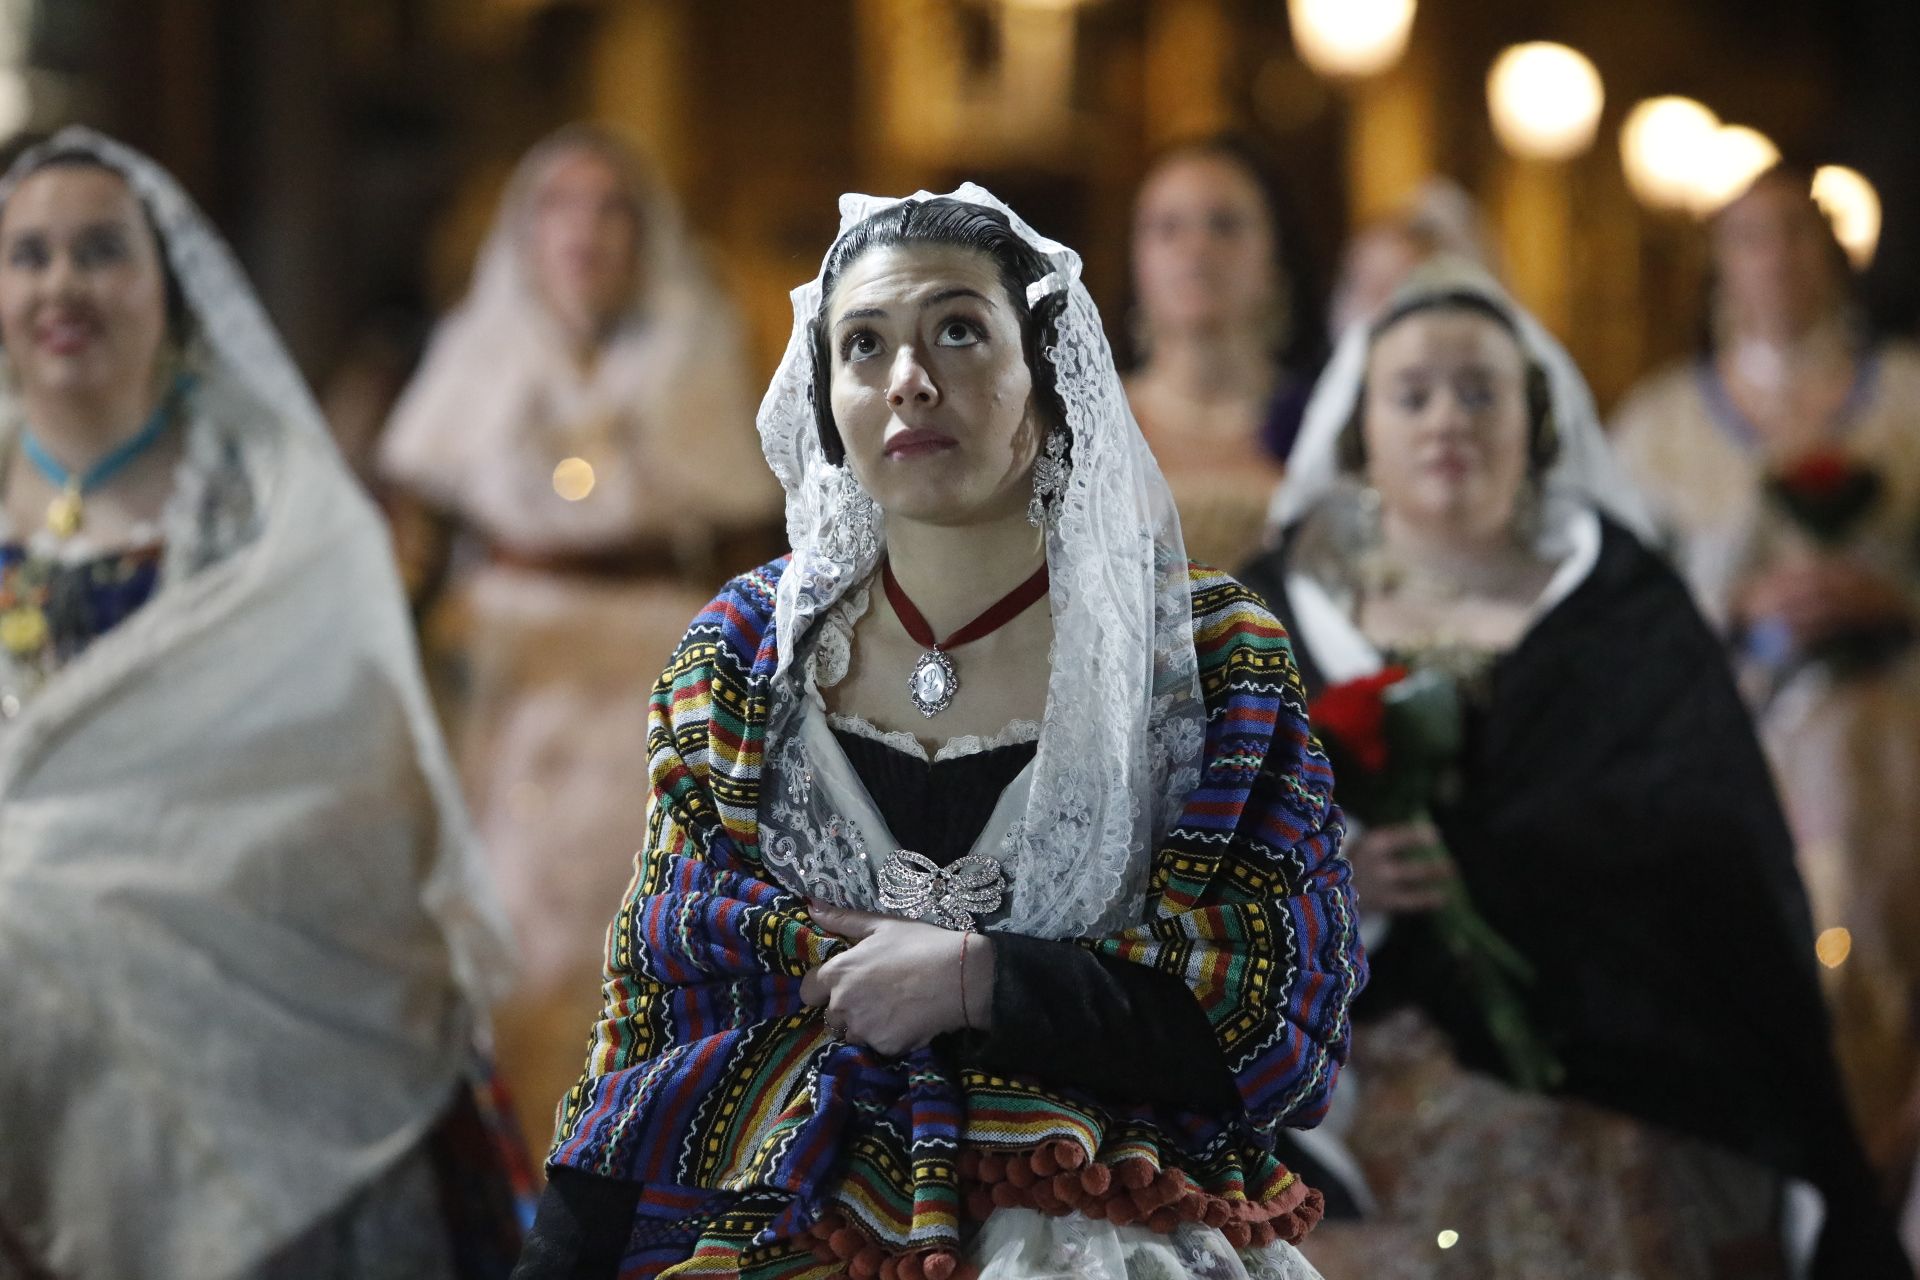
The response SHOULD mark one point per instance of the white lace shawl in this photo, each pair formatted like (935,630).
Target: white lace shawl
(1120,743)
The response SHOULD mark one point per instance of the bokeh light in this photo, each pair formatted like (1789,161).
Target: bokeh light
(1853,206)
(1833,946)
(1664,144)
(573,479)
(1545,100)
(1736,156)
(1350,37)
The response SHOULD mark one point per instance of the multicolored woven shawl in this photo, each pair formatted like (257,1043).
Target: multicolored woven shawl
(767,1149)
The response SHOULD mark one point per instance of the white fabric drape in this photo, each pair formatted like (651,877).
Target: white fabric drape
(243,936)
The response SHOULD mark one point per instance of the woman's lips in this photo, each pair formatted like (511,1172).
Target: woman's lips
(1454,466)
(917,442)
(67,336)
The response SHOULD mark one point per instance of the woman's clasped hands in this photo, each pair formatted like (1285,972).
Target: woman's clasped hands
(901,982)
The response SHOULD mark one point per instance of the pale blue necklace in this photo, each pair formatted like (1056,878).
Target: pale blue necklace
(66,513)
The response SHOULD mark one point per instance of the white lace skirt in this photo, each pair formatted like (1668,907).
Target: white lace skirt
(1024,1244)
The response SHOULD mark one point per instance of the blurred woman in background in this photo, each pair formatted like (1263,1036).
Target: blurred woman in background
(1616,1062)
(245,939)
(1785,466)
(583,415)
(1224,345)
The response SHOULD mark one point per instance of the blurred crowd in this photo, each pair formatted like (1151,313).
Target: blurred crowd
(1711,903)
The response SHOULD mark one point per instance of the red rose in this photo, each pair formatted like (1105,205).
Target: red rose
(1354,715)
(1818,474)
(1826,493)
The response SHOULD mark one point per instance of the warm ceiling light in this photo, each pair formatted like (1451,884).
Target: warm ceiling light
(1664,146)
(1853,206)
(1736,156)
(1350,37)
(1545,100)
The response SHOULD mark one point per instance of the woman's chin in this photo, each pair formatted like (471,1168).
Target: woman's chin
(81,378)
(949,510)
(1460,516)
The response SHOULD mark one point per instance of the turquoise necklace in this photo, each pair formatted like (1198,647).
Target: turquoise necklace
(66,514)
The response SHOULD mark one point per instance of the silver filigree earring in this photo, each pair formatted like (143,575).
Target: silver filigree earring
(1049,477)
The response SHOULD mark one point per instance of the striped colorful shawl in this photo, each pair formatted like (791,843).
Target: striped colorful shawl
(766,1148)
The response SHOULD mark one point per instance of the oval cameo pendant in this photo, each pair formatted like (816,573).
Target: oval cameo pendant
(933,683)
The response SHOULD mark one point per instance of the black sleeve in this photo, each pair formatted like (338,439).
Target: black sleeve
(581,1229)
(1265,576)
(1111,1027)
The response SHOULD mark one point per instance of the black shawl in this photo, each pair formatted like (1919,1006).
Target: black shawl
(1617,823)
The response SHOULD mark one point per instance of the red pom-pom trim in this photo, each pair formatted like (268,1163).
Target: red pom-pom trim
(1056,1178)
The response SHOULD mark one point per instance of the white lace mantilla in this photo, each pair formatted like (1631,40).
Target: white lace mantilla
(1119,749)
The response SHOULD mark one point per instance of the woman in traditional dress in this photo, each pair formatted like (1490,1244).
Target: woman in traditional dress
(584,417)
(244,936)
(1821,615)
(1222,370)
(1607,813)
(991,913)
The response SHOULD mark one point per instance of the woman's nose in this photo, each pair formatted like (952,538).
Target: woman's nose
(911,383)
(61,274)
(1451,412)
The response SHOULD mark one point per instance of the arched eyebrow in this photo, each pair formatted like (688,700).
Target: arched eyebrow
(115,225)
(945,295)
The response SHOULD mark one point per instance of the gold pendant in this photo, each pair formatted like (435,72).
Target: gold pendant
(23,630)
(63,513)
